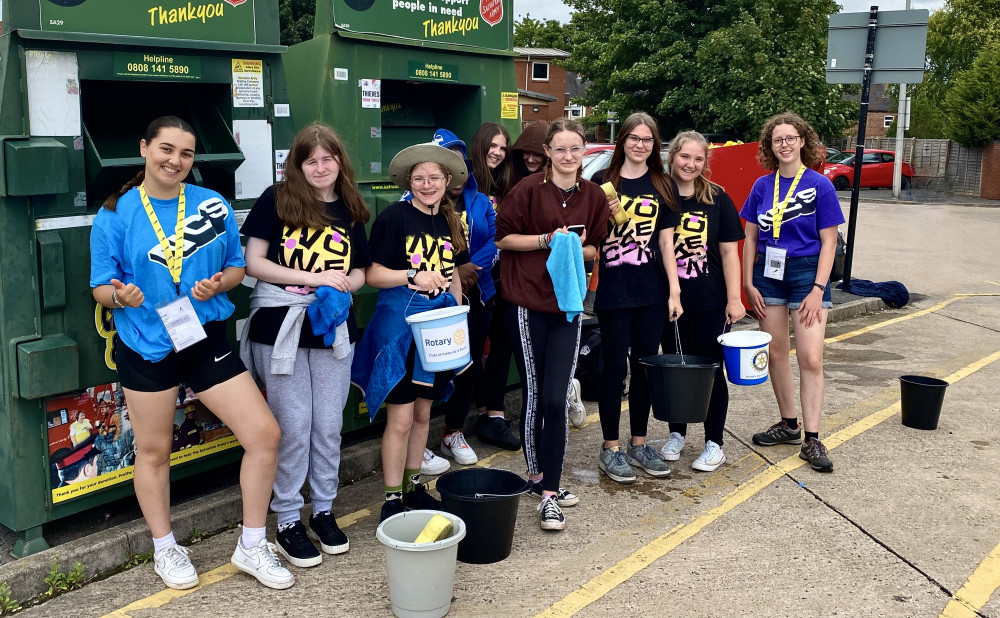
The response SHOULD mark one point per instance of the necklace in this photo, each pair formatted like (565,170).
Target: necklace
(566,194)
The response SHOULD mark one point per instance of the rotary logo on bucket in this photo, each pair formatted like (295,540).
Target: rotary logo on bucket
(746,356)
(444,344)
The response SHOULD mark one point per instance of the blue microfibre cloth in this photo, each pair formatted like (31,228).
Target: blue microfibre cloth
(565,266)
(893,293)
(329,311)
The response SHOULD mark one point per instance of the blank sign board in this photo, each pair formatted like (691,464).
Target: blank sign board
(900,47)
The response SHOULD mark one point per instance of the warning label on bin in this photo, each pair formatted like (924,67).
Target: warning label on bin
(508,105)
(248,83)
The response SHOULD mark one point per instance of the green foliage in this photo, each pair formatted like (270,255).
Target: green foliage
(8,604)
(956,34)
(59,582)
(535,33)
(973,102)
(297,19)
(724,68)
(134,560)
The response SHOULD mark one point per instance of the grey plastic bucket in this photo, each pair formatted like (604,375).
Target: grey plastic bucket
(421,577)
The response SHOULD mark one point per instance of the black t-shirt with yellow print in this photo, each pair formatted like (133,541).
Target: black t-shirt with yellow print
(342,245)
(403,237)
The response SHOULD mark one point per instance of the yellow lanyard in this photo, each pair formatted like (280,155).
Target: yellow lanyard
(174,257)
(779,207)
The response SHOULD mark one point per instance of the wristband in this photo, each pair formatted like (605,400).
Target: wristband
(821,287)
(114,299)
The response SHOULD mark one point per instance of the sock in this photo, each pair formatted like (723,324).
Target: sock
(411,477)
(283,527)
(252,537)
(793,423)
(812,434)
(393,493)
(164,542)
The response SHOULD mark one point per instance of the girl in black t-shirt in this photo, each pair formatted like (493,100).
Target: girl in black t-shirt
(633,296)
(708,265)
(416,246)
(305,239)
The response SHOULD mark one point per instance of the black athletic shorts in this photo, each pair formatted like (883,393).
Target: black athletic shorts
(408,392)
(209,362)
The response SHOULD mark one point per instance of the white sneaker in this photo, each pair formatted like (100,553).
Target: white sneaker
(454,446)
(432,464)
(710,459)
(671,451)
(262,562)
(577,413)
(175,568)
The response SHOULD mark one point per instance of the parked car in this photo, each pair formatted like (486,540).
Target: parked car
(597,157)
(876,170)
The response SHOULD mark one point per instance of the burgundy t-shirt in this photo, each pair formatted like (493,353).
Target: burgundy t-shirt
(533,207)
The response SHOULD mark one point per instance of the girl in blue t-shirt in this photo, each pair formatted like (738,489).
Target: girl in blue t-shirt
(792,217)
(307,247)
(164,254)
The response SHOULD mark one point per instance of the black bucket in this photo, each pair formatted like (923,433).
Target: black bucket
(680,392)
(486,500)
(921,398)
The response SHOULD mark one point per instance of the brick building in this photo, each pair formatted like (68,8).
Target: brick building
(882,110)
(541,83)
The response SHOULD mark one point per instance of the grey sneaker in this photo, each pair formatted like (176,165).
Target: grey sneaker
(814,452)
(615,465)
(647,459)
(778,433)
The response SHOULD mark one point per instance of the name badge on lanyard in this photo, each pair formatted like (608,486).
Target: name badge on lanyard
(774,256)
(178,315)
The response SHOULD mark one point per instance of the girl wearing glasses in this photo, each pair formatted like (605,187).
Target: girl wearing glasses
(526,157)
(416,246)
(634,298)
(306,244)
(706,248)
(545,338)
(792,217)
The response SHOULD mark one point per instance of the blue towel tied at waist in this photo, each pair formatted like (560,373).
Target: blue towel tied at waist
(380,357)
(328,313)
(565,266)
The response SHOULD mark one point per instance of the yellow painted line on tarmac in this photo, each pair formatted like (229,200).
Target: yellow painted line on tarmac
(916,314)
(993,282)
(977,590)
(166,596)
(629,566)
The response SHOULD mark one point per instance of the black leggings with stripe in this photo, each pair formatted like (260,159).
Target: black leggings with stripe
(545,350)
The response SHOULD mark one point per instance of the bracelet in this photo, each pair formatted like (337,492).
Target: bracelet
(114,299)
(541,241)
(820,286)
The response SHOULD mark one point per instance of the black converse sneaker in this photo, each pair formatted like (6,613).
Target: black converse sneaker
(552,517)
(323,527)
(295,546)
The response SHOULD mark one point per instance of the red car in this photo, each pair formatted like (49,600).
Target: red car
(876,170)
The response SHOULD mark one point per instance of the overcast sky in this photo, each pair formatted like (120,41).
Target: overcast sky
(555,9)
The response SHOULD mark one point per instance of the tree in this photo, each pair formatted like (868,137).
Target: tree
(955,36)
(297,18)
(973,102)
(718,67)
(534,33)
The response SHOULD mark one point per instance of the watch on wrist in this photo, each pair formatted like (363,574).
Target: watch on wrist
(411,276)
(821,287)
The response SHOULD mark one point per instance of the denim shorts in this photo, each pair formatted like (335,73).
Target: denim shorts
(800,275)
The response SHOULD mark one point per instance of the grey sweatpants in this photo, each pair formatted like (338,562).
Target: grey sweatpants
(309,408)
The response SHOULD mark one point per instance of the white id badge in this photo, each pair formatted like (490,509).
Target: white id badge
(182,323)
(774,262)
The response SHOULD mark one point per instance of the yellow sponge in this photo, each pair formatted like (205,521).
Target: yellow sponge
(437,529)
(621,217)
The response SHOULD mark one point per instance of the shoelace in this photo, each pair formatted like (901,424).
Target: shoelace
(711,451)
(458,441)
(619,458)
(549,508)
(177,556)
(267,552)
(428,455)
(815,448)
(674,444)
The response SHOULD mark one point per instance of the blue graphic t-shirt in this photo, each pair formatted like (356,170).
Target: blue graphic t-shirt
(696,247)
(124,246)
(813,207)
(631,271)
